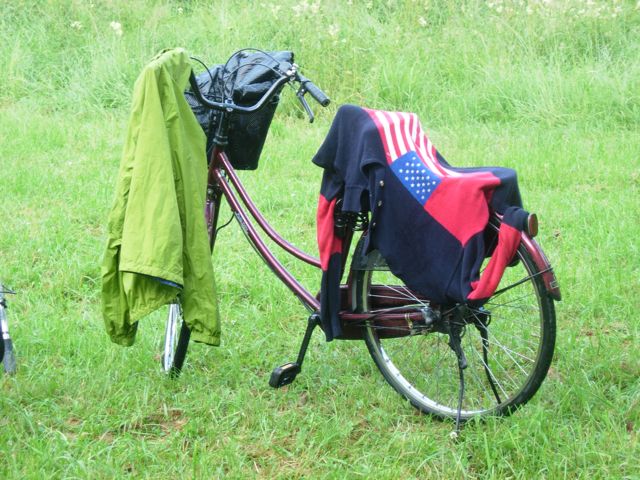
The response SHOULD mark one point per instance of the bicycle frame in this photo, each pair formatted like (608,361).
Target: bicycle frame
(224,182)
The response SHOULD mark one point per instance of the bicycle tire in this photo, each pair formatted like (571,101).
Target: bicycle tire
(176,341)
(424,369)
(2,322)
(9,357)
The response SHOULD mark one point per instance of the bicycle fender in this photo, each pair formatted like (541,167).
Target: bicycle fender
(541,261)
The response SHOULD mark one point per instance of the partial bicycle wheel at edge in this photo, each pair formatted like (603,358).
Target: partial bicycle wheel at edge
(505,368)
(176,341)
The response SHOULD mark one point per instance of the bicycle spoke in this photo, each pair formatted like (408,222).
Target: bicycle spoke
(512,301)
(493,376)
(503,333)
(404,294)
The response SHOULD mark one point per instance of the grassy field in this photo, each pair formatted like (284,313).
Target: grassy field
(548,87)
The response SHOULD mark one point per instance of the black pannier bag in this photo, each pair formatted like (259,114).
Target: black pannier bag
(244,78)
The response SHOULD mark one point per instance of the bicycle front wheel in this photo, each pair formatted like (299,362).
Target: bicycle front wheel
(508,343)
(176,341)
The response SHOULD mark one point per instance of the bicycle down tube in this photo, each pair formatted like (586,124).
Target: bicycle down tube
(225,181)
(255,213)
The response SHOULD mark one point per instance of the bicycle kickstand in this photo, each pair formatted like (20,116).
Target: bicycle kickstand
(285,374)
(455,344)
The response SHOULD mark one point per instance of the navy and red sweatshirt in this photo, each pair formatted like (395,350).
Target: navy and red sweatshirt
(427,217)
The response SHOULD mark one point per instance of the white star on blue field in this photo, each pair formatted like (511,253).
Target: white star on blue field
(415,176)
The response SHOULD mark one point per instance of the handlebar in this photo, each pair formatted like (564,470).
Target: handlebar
(290,74)
(317,94)
(229,105)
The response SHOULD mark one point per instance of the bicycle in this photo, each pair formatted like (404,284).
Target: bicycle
(7,353)
(423,350)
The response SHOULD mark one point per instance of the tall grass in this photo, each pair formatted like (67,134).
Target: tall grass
(547,87)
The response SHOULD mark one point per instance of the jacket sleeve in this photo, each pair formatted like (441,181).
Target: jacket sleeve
(152,237)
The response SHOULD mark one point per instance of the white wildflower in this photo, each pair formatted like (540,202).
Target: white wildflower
(617,10)
(422,21)
(117,28)
(333,30)
(180,10)
(315,7)
(76,25)
(301,8)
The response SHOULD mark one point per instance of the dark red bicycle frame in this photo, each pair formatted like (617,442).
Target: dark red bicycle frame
(223,181)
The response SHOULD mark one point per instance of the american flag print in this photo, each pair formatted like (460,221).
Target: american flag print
(402,133)
(438,188)
(415,176)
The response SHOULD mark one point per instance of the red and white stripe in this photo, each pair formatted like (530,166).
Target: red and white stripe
(401,133)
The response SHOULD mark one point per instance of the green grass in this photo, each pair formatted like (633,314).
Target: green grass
(549,88)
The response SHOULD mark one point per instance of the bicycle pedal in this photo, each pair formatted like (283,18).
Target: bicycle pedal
(284,374)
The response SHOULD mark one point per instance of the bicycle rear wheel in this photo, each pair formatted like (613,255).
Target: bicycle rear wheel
(508,343)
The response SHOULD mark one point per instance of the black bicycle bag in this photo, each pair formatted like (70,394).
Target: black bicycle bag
(245,78)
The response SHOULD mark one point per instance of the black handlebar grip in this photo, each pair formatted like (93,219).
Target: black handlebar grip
(316,93)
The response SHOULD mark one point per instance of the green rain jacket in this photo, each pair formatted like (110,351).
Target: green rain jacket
(157,242)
